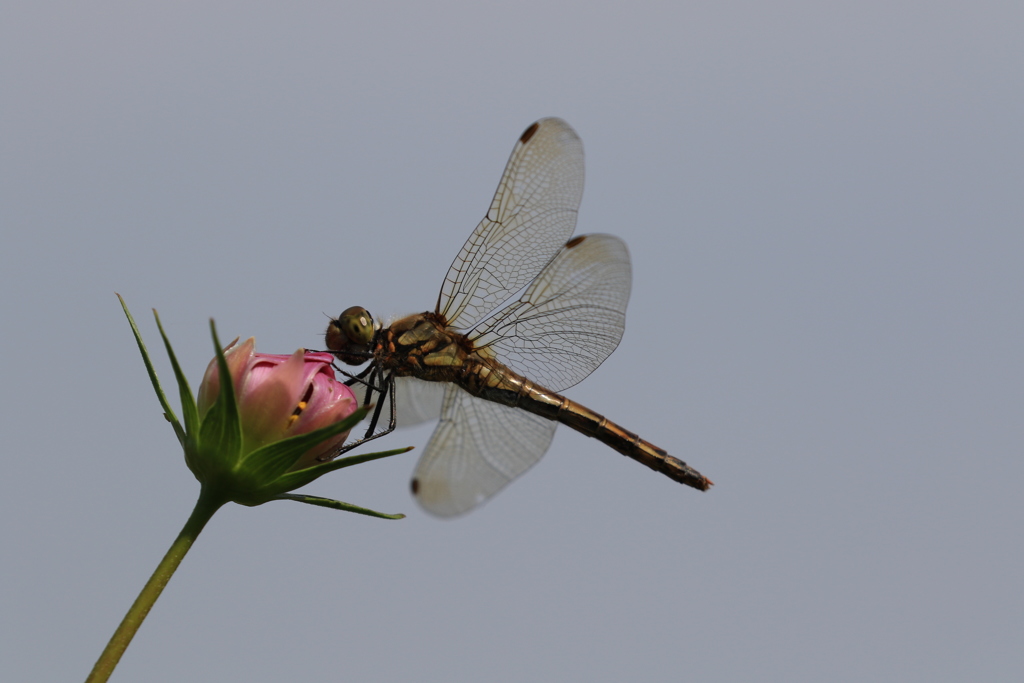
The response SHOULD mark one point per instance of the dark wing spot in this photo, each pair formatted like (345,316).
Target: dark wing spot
(574,241)
(528,133)
(415,486)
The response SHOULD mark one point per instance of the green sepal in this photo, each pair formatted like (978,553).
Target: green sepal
(189,412)
(289,481)
(273,460)
(168,411)
(335,505)
(220,434)
(293,480)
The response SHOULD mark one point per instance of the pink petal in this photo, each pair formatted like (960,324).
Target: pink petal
(269,396)
(237,357)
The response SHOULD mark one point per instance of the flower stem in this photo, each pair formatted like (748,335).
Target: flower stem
(209,502)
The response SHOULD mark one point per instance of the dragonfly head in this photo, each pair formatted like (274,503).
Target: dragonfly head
(350,336)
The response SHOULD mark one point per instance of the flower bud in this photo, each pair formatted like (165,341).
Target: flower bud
(280,396)
(277,425)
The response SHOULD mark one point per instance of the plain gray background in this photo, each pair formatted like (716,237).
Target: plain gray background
(824,206)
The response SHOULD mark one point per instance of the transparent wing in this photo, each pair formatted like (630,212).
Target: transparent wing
(476,450)
(416,401)
(532,214)
(569,319)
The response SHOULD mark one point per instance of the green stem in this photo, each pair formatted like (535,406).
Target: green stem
(207,504)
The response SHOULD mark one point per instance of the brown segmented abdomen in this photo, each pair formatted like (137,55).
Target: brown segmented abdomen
(495,382)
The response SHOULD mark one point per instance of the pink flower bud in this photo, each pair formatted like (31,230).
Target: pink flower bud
(281,396)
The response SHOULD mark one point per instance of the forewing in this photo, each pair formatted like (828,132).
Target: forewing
(532,214)
(476,450)
(569,319)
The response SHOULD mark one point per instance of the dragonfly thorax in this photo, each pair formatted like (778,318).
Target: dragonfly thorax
(423,346)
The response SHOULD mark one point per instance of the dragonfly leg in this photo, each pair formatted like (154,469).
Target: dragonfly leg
(386,389)
(384,392)
(354,379)
(368,379)
(394,414)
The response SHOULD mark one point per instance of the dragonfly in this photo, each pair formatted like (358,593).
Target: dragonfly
(525,311)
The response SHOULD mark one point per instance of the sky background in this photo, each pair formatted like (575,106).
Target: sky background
(824,207)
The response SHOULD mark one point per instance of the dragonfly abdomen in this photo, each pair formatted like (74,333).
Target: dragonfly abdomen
(586,421)
(498,383)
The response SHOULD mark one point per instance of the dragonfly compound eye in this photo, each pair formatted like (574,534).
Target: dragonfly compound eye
(356,324)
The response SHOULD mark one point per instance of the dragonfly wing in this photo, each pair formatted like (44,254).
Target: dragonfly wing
(570,318)
(476,450)
(417,401)
(532,214)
